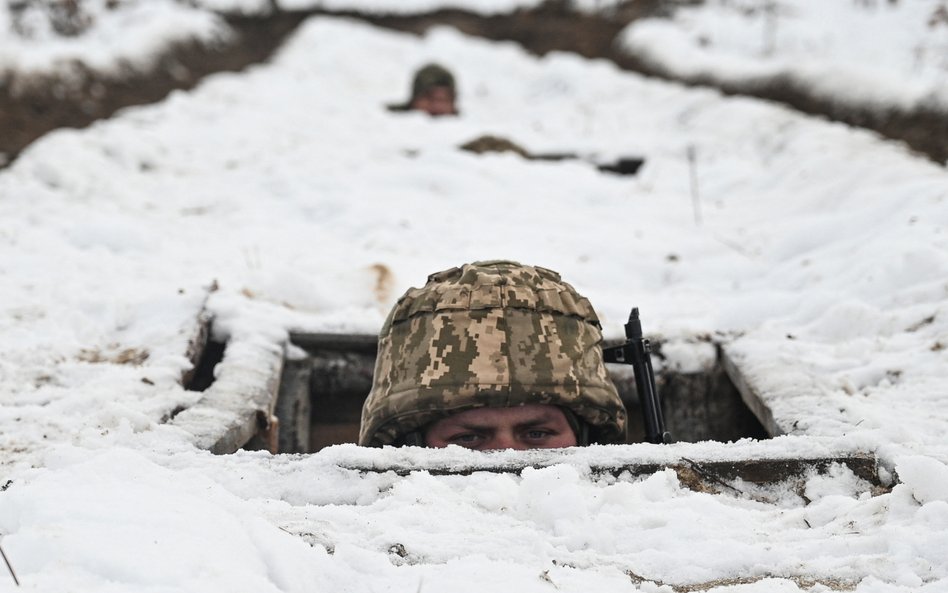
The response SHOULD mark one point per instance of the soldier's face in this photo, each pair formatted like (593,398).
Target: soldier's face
(534,426)
(436,101)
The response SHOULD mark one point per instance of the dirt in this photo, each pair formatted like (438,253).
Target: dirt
(384,283)
(31,108)
(554,27)
(129,356)
(48,104)
(924,128)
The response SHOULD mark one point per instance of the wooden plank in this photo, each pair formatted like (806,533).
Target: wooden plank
(701,475)
(750,396)
(240,404)
(324,435)
(356,343)
(293,406)
(339,385)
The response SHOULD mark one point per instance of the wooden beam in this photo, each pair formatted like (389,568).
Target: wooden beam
(293,406)
(704,475)
(240,404)
(751,397)
(359,343)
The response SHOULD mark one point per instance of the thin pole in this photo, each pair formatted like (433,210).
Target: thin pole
(770,28)
(9,567)
(692,153)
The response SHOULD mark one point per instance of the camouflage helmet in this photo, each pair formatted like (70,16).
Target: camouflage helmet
(489,334)
(429,77)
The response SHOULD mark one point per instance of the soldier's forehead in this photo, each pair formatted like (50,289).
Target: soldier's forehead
(519,414)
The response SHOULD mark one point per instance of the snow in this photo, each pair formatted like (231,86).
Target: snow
(115,40)
(482,7)
(925,477)
(485,7)
(891,55)
(820,265)
(130,35)
(368,530)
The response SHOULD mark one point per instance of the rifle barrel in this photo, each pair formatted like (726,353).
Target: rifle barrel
(641,360)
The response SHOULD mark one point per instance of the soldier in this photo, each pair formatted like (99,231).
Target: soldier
(492,355)
(433,91)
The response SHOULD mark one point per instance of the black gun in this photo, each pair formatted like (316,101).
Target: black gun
(637,352)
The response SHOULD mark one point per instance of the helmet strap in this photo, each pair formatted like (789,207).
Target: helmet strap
(582,439)
(580,427)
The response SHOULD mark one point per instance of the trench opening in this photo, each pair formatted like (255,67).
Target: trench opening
(321,396)
(202,375)
(697,406)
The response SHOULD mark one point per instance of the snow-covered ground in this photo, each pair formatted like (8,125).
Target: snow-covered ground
(821,260)
(866,53)
(111,41)
(113,37)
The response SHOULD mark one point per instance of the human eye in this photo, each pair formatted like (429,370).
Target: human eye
(471,440)
(537,434)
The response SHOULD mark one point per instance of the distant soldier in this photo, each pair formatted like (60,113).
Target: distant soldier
(492,355)
(433,91)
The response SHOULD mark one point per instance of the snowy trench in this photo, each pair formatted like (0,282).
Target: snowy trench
(820,265)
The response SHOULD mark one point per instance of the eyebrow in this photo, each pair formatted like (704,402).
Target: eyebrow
(530,423)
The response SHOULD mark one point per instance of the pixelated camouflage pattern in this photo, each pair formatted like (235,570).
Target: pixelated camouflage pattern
(493,334)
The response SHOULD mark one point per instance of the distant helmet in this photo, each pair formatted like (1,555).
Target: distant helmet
(429,77)
(489,334)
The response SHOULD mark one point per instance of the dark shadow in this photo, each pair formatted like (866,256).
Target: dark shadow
(203,376)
